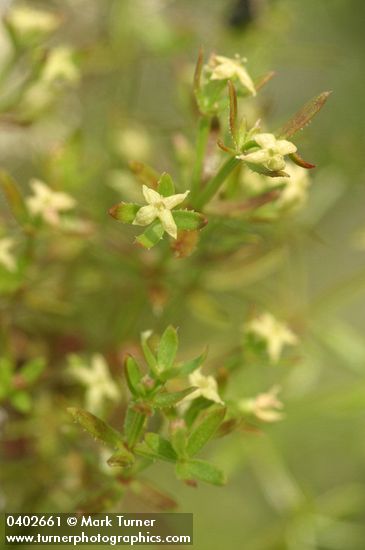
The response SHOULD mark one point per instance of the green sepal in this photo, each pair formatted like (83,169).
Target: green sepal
(151,236)
(97,428)
(201,470)
(166,186)
(204,429)
(124,212)
(189,220)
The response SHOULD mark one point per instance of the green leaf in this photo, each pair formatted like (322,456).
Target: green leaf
(167,348)
(147,352)
(161,447)
(166,400)
(200,469)
(151,236)
(21,401)
(188,220)
(122,458)
(304,116)
(14,197)
(134,423)
(133,376)
(124,212)
(97,428)
(6,375)
(166,186)
(191,366)
(178,436)
(204,429)
(32,370)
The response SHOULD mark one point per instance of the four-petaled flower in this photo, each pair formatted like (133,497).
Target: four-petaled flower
(98,382)
(224,68)
(159,207)
(6,257)
(274,333)
(206,386)
(265,406)
(271,152)
(47,203)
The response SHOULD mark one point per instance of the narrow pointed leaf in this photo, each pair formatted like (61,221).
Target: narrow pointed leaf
(166,400)
(295,157)
(147,352)
(134,423)
(201,470)
(191,366)
(97,428)
(124,212)
(204,429)
(232,110)
(133,376)
(167,348)
(303,116)
(161,447)
(14,197)
(188,220)
(166,186)
(151,236)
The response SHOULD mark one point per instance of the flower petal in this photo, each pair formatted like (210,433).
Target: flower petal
(145,215)
(257,157)
(174,200)
(151,195)
(168,222)
(285,147)
(266,141)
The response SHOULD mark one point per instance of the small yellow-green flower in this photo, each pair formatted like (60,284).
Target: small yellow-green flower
(206,386)
(224,68)
(6,257)
(98,383)
(273,333)
(60,65)
(159,207)
(270,152)
(25,20)
(48,204)
(265,406)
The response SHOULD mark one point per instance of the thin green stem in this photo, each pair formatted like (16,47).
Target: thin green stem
(201,145)
(214,184)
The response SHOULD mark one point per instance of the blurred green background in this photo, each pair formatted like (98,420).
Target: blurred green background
(300,484)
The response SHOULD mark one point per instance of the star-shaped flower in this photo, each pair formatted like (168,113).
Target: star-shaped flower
(60,65)
(47,203)
(274,333)
(6,257)
(99,384)
(271,152)
(265,406)
(206,386)
(224,68)
(159,207)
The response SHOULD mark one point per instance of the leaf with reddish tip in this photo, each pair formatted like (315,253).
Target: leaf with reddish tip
(303,116)
(124,212)
(189,220)
(144,173)
(261,82)
(295,157)
(198,71)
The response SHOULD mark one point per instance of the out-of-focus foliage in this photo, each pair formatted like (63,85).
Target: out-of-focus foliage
(93,93)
